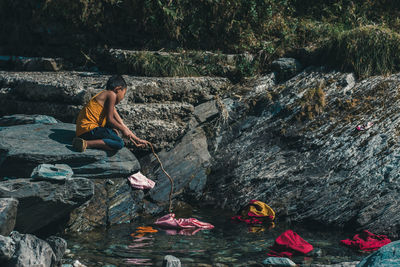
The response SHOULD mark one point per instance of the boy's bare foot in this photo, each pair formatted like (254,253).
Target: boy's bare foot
(79,144)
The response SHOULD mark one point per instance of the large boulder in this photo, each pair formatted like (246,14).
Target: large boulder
(387,256)
(303,156)
(59,246)
(286,68)
(7,248)
(114,202)
(27,250)
(187,163)
(43,202)
(23,147)
(8,215)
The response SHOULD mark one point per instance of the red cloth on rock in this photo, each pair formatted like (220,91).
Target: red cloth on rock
(366,241)
(288,244)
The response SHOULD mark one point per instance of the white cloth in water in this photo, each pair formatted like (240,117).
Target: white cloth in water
(139,181)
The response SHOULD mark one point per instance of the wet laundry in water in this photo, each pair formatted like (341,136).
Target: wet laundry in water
(186,231)
(366,241)
(139,181)
(142,230)
(288,244)
(170,222)
(255,212)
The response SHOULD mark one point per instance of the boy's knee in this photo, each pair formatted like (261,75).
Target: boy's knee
(118,144)
(121,144)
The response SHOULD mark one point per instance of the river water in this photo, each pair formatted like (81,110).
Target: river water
(228,244)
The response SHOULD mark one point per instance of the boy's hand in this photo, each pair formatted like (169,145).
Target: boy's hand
(143,143)
(135,140)
(127,133)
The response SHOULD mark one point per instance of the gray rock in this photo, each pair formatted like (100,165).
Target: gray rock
(158,109)
(43,202)
(274,261)
(386,256)
(92,214)
(112,203)
(23,147)
(7,248)
(31,63)
(19,119)
(171,261)
(38,64)
(50,172)
(122,205)
(8,215)
(206,111)
(307,161)
(59,247)
(76,88)
(342,264)
(286,68)
(186,163)
(159,123)
(30,251)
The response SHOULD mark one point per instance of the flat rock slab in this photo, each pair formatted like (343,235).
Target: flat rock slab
(50,172)
(43,202)
(18,119)
(8,215)
(23,147)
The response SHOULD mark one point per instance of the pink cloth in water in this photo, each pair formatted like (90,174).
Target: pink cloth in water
(169,221)
(139,181)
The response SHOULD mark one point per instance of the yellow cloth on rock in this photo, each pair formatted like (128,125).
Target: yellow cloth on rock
(260,209)
(91,116)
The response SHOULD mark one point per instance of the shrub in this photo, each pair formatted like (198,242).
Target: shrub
(366,50)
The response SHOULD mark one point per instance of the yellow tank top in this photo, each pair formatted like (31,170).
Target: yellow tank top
(91,116)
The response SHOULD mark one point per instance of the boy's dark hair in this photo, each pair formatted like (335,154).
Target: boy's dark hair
(115,81)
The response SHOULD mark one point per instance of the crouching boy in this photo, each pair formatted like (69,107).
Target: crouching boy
(98,122)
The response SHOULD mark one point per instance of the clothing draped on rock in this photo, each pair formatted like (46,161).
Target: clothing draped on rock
(91,116)
(139,181)
(366,241)
(255,212)
(288,244)
(169,222)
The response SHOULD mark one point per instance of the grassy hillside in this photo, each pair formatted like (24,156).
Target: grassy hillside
(268,28)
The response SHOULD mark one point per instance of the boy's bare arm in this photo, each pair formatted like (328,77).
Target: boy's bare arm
(118,118)
(130,133)
(109,108)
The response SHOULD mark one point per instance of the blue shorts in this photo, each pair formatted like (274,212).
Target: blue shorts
(107,135)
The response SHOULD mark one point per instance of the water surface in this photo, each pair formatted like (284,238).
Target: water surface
(229,244)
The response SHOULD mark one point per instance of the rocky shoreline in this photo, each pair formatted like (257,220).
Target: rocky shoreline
(287,138)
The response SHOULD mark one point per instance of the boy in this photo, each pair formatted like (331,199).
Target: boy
(98,121)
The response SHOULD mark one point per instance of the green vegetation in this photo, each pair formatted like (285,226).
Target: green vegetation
(367,50)
(312,103)
(339,29)
(180,64)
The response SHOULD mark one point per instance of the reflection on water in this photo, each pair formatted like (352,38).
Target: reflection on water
(229,243)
